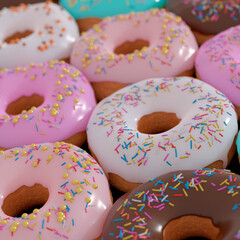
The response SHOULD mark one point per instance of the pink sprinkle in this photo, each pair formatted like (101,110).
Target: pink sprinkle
(147,215)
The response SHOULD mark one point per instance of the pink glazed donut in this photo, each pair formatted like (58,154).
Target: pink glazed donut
(64,181)
(62,102)
(169,49)
(218,63)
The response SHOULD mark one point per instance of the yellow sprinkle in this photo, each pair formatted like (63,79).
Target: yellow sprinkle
(59,97)
(3,222)
(65,175)
(36,210)
(56,151)
(60,76)
(168,38)
(98,58)
(200,186)
(35,164)
(44,148)
(25,224)
(15,119)
(15,151)
(164,26)
(54,112)
(88,199)
(68,196)
(95,186)
(164,50)
(63,207)
(69,93)
(47,214)
(75,181)
(13,229)
(32,216)
(49,158)
(209,144)
(23,153)
(1,152)
(185,192)
(43,110)
(99,70)
(178,20)
(68,166)
(79,190)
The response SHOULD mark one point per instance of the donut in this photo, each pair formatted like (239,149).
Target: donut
(207,18)
(128,48)
(66,182)
(90,12)
(48,32)
(161,125)
(179,205)
(44,102)
(217,63)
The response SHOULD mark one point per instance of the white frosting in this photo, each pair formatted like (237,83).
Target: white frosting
(205,133)
(54,33)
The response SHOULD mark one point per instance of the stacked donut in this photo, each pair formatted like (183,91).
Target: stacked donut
(119,80)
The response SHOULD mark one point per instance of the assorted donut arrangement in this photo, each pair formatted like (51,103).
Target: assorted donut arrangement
(120,119)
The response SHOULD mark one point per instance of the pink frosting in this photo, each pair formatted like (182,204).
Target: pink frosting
(171,51)
(218,63)
(79,196)
(68,103)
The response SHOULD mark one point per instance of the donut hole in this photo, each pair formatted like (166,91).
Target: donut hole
(24,200)
(157,122)
(24,103)
(130,47)
(191,227)
(15,38)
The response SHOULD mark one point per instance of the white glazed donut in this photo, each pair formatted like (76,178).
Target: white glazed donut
(204,135)
(54,32)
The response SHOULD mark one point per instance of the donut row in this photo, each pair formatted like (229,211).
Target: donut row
(147,137)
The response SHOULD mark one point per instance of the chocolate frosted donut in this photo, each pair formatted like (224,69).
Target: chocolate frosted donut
(179,205)
(207,17)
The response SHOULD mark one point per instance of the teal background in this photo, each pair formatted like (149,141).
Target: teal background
(103,8)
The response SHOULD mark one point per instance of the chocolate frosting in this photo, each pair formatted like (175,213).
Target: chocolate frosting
(205,193)
(207,17)
(8,3)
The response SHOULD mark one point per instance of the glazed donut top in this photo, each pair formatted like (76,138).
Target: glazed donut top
(204,135)
(207,16)
(172,48)
(53,33)
(144,212)
(218,63)
(104,8)
(66,108)
(79,197)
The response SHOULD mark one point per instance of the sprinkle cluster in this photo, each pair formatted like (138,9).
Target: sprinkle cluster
(79,171)
(132,218)
(209,11)
(206,128)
